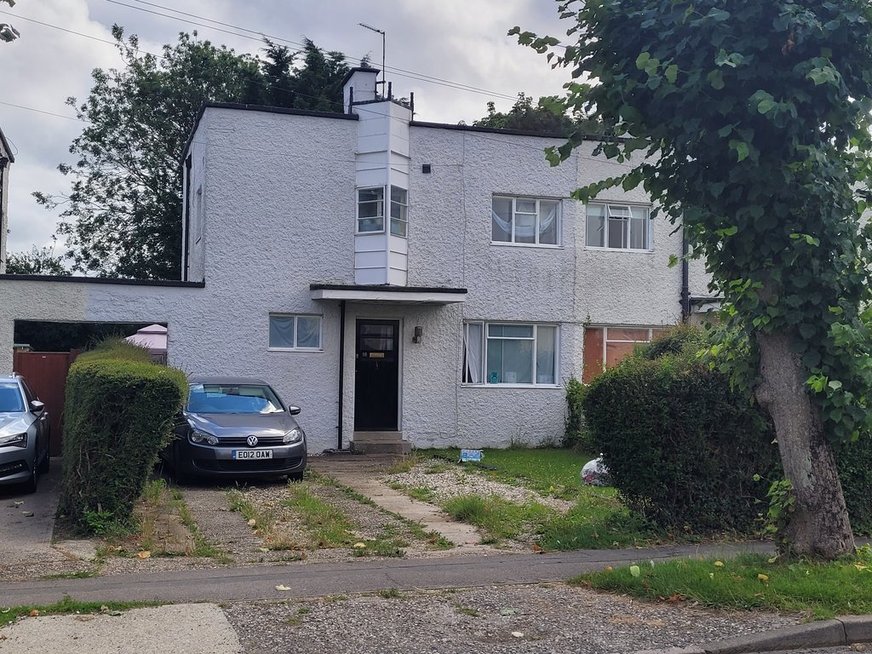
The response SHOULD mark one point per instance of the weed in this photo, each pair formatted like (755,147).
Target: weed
(389,593)
(420,493)
(466,610)
(404,465)
(67,605)
(78,574)
(498,517)
(327,525)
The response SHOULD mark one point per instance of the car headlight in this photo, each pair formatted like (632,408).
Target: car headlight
(198,436)
(14,440)
(296,434)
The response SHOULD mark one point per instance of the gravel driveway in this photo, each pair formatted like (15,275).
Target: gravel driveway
(516,619)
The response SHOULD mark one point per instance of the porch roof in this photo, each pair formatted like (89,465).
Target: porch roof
(388,293)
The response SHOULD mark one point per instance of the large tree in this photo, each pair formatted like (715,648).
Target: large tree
(748,122)
(123,215)
(547,116)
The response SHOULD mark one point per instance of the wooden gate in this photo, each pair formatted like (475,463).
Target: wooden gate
(46,375)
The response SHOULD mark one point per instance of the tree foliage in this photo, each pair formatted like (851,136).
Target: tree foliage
(753,119)
(123,215)
(39,261)
(547,116)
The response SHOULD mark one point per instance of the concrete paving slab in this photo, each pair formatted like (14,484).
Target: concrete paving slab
(180,628)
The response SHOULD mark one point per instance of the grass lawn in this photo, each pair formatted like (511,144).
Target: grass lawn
(597,519)
(750,582)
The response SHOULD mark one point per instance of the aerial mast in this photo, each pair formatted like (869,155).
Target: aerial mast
(382,32)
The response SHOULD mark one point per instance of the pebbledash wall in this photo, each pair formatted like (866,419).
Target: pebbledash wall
(271,206)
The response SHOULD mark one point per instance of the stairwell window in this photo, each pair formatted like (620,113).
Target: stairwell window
(618,227)
(510,354)
(399,211)
(525,221)
(371,210)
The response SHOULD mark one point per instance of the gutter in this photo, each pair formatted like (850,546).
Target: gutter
(341,371)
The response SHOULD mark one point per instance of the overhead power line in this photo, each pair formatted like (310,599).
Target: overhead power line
(258,35)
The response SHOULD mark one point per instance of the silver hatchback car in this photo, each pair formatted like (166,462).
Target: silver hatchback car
(24,434)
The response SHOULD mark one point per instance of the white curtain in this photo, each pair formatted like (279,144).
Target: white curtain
(548,222)
(473,345)
(281,331)
(308,331)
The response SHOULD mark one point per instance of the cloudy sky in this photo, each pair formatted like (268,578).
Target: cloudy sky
(460,42)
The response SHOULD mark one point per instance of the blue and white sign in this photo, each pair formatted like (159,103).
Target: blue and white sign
(471,455)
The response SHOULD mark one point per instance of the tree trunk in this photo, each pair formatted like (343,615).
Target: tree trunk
(819,526)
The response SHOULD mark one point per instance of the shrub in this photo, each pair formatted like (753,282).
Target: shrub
(119,414)
(682,447)
(576,433)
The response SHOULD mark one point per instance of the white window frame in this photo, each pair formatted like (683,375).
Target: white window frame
(357,210)
(296,317)
(649,232)
(404,212)
(536,244)
(484,383)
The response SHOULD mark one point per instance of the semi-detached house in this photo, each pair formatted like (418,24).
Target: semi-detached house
(399,280)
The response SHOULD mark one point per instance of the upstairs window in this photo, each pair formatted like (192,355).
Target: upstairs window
(370,210)
(525,221)
(618,227)
(399,211)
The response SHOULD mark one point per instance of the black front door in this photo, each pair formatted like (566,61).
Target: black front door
(376,378)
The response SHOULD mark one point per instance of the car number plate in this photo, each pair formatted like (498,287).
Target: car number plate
(241,455)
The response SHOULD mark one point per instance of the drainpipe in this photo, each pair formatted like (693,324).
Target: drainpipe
(685,279)
(341,370)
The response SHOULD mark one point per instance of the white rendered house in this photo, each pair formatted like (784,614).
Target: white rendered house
(401,281)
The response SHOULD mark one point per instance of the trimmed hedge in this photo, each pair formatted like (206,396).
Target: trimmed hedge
(119,415)
(683,449)
(855,472)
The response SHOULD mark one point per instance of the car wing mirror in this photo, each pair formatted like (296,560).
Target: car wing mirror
(36,406)
(294,410)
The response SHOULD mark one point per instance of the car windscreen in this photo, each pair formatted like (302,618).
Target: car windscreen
(232,398)
(10,398)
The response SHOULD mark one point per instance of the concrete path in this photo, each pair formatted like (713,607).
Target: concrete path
(360,473)
(181,629)
(316,580)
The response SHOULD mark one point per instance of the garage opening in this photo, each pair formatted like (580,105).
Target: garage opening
(44,351)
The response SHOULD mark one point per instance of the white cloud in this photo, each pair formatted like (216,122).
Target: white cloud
(459,40)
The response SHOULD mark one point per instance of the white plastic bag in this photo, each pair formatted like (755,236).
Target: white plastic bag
(595,473)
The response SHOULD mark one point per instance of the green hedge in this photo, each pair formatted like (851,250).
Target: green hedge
(681,446)
(855,471)
(119,414)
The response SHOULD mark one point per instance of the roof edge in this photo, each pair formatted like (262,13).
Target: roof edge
(510,132)
(72,279)
(258,107)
